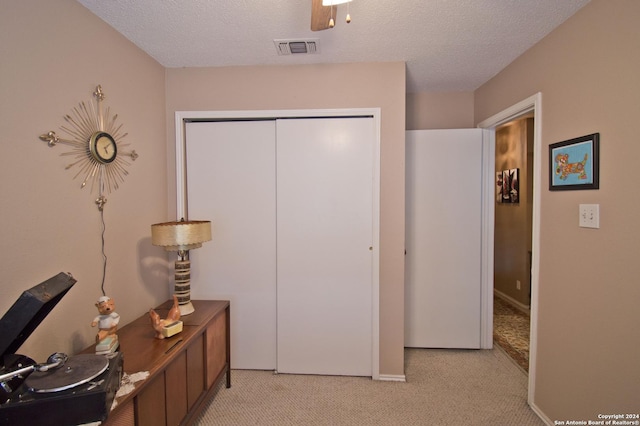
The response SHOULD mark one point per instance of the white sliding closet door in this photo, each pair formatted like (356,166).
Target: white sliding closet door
(231,181)
(292,206)
(324,239)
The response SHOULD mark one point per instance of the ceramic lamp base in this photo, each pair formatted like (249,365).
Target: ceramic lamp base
(182,287)
(186,309)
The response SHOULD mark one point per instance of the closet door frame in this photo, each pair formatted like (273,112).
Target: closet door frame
(183,117)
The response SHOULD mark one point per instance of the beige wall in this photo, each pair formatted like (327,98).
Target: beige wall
(588,327)
(317,87)
(450,110)
(52,56)
(512,232)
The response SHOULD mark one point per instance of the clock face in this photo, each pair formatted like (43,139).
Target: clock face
(103,147)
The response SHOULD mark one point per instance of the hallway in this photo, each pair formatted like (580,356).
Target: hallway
(511,331)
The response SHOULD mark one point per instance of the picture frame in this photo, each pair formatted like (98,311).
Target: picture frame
(508,186)
(574,164)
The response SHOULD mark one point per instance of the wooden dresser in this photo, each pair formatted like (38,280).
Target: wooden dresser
(184,370)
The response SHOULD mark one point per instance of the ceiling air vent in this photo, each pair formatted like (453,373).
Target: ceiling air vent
(296,47)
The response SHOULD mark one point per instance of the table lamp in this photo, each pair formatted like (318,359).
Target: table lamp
(181,237)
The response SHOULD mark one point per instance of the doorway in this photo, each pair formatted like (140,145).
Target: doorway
(533,105)
(512,241)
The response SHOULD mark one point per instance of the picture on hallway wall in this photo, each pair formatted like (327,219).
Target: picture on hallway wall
(508,186)
(574,164)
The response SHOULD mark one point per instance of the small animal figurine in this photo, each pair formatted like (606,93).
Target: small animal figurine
(159,324)
(108,319)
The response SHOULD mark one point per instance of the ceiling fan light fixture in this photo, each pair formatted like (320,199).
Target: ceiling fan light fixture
(323,13)
(334,2)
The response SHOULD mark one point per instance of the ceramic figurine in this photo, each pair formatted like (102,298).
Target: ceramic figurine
(107,321)
(169,326)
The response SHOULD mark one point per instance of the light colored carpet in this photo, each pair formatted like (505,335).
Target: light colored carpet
(443,387)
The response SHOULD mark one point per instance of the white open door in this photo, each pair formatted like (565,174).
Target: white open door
(443,272)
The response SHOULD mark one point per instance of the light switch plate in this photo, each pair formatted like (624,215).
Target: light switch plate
(589,216)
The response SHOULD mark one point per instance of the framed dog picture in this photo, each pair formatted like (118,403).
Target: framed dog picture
(575,164)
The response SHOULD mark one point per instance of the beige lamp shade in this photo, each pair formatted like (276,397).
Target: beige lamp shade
(181,236)
(334,2)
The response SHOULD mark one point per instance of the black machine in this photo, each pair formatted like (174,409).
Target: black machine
(66,390)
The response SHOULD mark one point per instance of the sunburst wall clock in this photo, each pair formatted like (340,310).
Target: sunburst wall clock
(97,147)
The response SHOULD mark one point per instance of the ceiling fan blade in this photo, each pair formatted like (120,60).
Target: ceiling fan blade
(320,16)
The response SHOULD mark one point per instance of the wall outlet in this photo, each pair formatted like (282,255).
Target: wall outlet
(518,284)
(589,216)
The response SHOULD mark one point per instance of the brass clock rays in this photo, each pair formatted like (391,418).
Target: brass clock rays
(96,145)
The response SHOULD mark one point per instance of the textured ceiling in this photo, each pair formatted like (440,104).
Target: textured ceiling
(448,45)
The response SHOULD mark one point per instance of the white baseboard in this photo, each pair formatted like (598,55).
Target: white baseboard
(392,378)
(540,414)
(524,308)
